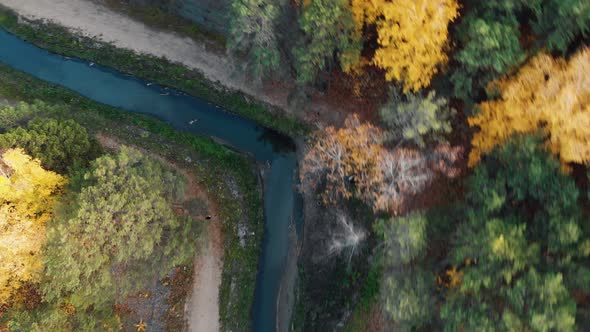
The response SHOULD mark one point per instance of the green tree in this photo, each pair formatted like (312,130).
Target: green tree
(408,288)
(413,117)
(404,238)
(409,297)
(252,31)
(119,221)
(559,22)
(522,227)
(489,47)
(59,144)
(328,28)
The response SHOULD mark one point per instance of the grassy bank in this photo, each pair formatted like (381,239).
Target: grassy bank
(155,17)
(213,163)
(59,40)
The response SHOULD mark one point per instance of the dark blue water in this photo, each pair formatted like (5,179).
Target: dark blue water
(131,94)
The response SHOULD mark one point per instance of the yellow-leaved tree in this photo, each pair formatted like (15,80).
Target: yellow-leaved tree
(412,36)
(27,194)
(547,93)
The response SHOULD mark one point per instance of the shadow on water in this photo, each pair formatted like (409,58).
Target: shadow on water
(280,143)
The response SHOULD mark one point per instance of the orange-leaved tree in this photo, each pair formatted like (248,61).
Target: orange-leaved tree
(345,160)
(412,36)
(27,194)
(352,161)
(547,93)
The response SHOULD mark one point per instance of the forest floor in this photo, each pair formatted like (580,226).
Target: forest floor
(99,22)
(202,307)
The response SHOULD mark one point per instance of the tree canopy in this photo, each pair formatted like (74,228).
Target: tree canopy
(252,31)
(412,37)
(121,218)
(549,94)
(59,144)
(27,195)
(327,27)
(523,228)
(414,118)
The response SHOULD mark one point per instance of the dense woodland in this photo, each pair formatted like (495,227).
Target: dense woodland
(456,200)
(489,98)
(81,227)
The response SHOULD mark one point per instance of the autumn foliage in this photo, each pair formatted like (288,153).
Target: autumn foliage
(547,93)
(352,161)
(27,194)
(412,36)
(341,156)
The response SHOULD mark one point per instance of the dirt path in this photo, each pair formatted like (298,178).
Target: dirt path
(202,308)
(100,22)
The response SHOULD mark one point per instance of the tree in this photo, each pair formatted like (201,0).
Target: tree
(404,238)
(121,218)
(490,48)
(408,288)
(404,173)
(416,117)
(344,160)
(352,162)
(327,26)
(412,36)
(548,94)
(27,195)
(252,30)
(523,228)
(59,144)
(561,22)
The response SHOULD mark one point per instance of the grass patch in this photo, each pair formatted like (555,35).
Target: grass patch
(61,41)
(213,163)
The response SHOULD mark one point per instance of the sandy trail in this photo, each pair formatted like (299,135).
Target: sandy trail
(205,296)
(96,21)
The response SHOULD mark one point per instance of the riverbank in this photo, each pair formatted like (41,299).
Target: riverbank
(85,30)
(226,176)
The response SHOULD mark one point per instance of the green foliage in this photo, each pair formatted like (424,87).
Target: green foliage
(327,26)
(408,297)
(407,288)
(559,22)
(58,144)
(252,30)
(120,219)
(491,37)
(40,320)
(414,117)
(490,48)
(404,238)
(524,232)
(13,117)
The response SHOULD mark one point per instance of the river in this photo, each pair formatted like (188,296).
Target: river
(107,86)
